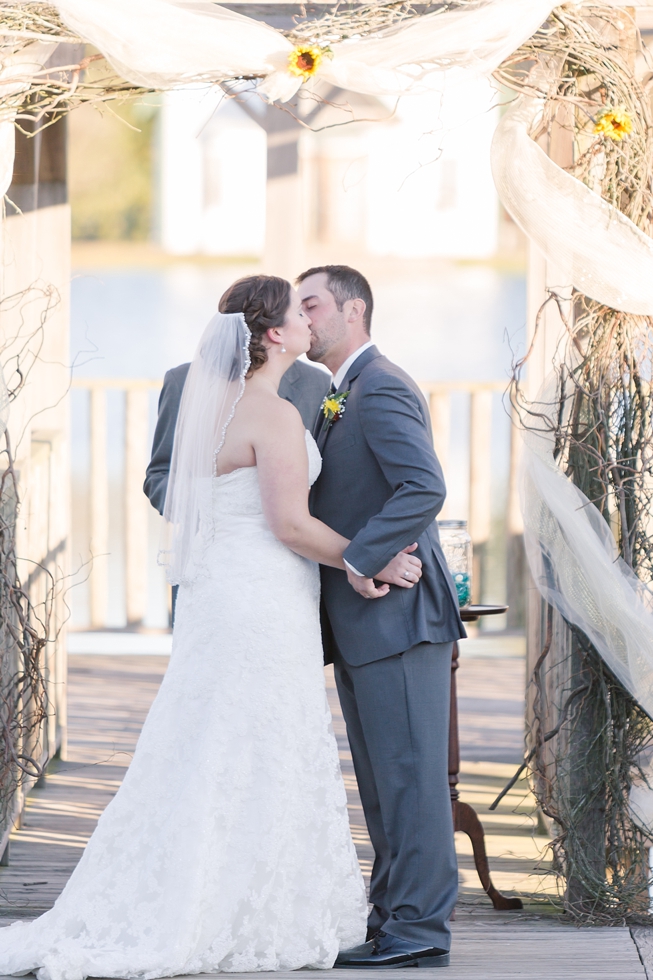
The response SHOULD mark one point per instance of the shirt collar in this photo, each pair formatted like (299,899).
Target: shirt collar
(341,373)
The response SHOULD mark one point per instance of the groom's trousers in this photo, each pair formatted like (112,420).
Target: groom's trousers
(397,716)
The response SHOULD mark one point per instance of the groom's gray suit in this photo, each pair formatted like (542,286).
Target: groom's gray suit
(382,486)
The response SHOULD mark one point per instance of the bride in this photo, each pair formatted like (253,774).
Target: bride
(227,847)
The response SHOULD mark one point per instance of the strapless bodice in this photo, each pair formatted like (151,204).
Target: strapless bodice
(239,493)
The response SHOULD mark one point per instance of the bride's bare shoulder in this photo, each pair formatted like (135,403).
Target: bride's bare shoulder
(269,411)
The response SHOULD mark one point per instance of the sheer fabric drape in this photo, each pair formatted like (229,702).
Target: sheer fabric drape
(575,563)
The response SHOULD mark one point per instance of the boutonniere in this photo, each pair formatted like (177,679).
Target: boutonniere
(333,408)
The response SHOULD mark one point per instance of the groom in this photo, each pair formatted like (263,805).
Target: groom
(381,486)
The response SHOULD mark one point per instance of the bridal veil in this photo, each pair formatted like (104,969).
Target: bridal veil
(214,386)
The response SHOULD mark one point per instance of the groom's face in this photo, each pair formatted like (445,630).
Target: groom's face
(328,323)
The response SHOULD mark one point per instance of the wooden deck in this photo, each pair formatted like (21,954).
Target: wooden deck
(108,699)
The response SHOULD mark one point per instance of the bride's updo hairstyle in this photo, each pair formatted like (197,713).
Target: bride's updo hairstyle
(264,302)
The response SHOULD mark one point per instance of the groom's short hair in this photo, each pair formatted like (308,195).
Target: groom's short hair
(345,283)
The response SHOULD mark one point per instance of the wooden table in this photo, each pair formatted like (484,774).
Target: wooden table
(464,816)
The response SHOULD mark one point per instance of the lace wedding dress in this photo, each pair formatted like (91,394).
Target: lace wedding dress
(227,847)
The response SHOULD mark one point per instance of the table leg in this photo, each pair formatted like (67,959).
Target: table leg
(464,816)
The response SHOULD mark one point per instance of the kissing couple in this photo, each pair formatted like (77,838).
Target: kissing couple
(227,847)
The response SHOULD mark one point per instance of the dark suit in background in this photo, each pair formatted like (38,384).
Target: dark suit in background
(381,485)
(302,385)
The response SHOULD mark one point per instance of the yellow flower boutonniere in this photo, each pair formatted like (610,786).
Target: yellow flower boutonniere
(333,407)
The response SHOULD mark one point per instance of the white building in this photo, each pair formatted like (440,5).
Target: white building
(414,182)
(212,175)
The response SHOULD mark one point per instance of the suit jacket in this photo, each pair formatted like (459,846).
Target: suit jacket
(381,485)
(302,385)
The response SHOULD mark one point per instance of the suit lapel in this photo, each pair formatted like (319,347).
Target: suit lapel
(358,365)
(353,372)
(319,430)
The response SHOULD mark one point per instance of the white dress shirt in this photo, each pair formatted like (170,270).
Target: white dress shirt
(341,373)
(338,378)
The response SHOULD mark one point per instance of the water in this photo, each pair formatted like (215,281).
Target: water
(458,324)
(461,322)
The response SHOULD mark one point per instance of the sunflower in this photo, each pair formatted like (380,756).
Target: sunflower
(615,123)
(304,61)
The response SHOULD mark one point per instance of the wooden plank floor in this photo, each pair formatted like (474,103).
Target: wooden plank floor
(108,699)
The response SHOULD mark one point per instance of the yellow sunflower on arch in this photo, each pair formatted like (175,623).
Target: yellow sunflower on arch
(304,60)
(614,123)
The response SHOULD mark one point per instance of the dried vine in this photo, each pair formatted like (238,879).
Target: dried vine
(588,737)
(24,633)
(365,20)
(42,97)
(26,622)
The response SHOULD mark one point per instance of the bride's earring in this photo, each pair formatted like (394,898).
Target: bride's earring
(283,350)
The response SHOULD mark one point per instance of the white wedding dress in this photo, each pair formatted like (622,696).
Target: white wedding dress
(227,847)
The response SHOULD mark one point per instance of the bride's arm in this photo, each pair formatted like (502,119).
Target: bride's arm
(282,460)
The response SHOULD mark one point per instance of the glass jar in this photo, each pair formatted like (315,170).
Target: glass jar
(457,548)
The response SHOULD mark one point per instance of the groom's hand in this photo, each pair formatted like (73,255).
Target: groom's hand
(365,586)
(405,570)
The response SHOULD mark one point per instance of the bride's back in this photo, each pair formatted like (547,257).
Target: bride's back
(247,428)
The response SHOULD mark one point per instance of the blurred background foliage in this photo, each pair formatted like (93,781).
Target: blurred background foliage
(111,171)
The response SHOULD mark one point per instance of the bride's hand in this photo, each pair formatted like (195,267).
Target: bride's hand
(405,570)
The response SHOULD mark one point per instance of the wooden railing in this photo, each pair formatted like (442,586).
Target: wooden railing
(137,450)
(480,443)
(135,504)
(481,408)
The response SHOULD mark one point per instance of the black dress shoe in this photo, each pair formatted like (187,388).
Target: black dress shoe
(386,952)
